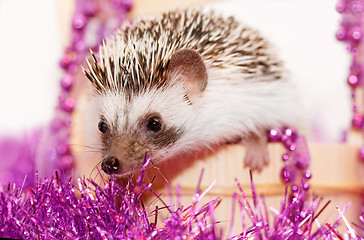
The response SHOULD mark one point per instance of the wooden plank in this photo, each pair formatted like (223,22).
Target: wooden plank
(142,7)
(65,12)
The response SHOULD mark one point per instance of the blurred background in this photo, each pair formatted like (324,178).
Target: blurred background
(33,34)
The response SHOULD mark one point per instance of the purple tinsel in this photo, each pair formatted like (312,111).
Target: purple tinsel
(296,219)
(56,209)
(52,210)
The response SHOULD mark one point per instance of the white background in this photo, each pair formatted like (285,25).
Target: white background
(303,32)
(30,47)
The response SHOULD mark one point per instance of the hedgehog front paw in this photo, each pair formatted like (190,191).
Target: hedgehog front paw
(256,155)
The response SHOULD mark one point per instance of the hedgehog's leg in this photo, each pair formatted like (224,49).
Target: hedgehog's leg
(256,154)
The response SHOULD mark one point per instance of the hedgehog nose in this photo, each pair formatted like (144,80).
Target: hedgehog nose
(110,165)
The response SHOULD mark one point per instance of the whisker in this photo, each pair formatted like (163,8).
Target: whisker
(85,146)
(90,151)
(92,148)
(159,170)
(93,169)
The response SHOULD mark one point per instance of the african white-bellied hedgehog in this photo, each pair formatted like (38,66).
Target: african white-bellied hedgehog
(186,80)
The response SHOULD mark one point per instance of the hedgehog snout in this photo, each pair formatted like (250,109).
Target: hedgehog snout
(110,165)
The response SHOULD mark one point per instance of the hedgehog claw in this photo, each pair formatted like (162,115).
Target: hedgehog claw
(256,152)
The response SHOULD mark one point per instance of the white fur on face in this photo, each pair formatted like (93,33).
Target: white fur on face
(229,107)
(124,115)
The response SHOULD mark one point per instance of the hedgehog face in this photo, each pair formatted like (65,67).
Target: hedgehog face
(147,123)
(140,116)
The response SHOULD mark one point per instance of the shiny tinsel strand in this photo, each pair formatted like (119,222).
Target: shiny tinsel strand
(53,210)
(297,218)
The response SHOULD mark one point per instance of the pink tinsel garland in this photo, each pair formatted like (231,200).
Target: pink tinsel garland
(51,210)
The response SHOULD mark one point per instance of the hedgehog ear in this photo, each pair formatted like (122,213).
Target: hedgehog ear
(187,66)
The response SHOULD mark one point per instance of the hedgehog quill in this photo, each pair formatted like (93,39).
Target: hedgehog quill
(186,80)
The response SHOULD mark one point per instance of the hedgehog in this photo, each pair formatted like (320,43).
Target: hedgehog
(187,80)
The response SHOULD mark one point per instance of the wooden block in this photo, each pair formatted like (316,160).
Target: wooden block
(337,176)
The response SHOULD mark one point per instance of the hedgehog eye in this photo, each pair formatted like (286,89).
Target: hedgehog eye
(103,126)
(154,124)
